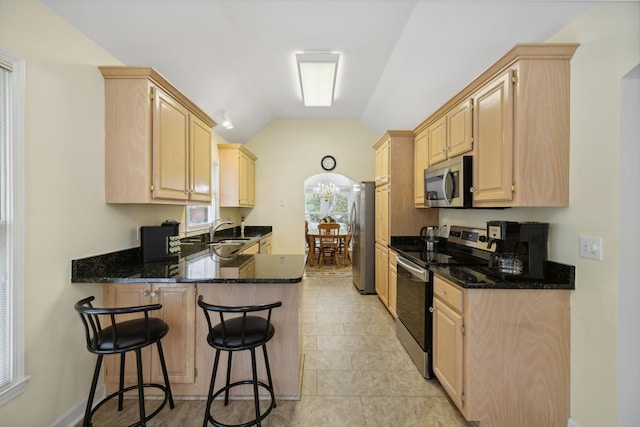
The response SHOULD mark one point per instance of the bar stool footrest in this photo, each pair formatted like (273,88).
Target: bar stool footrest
(248,423)
(135,387)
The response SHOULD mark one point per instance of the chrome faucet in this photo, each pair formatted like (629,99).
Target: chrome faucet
(215,224)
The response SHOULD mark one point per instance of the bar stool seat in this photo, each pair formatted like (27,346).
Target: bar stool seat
(243,332)
(122,337)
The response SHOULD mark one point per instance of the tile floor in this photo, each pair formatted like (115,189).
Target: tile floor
(356,373)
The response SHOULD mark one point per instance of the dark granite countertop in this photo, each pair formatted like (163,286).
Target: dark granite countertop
(199,263)
(557,275)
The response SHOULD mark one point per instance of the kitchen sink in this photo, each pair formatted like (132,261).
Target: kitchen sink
(236,241)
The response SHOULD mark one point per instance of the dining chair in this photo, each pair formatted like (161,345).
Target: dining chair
(329,241)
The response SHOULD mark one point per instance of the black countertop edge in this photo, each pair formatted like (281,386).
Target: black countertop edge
(558,277)
(195,265)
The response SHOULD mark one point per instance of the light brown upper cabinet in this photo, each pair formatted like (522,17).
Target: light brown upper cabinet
(157,142)
(450,135)
(420,163)
(382,163)
(514,120)
(237,176)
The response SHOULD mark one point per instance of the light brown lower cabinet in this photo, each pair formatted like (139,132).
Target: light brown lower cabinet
(393,282)
(503,355)
(178,310)
(382,273)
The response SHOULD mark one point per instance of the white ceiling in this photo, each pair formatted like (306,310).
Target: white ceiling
(400,59)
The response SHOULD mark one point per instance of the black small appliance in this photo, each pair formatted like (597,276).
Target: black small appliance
(160,242)
(521,248)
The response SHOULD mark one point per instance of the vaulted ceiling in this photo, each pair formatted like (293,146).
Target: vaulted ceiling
(400,59)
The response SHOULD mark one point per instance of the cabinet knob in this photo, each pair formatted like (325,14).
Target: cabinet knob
(154,294)
(472,190)
(145,293)
(443,292)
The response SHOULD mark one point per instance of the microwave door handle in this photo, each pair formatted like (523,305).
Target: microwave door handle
(445,176)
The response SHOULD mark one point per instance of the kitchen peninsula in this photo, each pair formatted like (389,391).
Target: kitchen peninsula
(224,276)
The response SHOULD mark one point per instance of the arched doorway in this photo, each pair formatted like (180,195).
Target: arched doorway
(328,194)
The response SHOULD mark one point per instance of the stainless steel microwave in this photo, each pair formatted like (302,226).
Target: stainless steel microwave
(448,184)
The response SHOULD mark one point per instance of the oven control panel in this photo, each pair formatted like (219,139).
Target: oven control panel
(469,236)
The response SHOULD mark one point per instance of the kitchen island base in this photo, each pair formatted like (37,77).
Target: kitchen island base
(187,322)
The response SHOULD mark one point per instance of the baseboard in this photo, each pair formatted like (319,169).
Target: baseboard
(74,415)
(573,423)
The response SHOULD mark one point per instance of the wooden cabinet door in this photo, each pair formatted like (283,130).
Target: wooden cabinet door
(125,295)
(382,215)
(437,137)
(382,273)
(393,282)
(170,147)
(459,137)
(382,164)
(200,160)
(420,163)
(243,179)
(251,183)
(493,134)
(448,350)
(178,310)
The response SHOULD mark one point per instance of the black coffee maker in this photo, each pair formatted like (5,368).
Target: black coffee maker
(521,248)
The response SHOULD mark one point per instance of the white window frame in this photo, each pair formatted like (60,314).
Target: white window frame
(192,228)
(15,221)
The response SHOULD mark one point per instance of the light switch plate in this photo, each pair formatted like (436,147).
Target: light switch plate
(591,247)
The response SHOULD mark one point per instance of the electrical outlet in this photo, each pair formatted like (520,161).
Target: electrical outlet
(591,247)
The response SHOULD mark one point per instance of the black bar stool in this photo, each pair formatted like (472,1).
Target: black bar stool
(121,337)
(236,332)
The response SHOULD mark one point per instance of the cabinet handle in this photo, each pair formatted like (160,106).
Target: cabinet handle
(472,190)
(154,294)
(145,293)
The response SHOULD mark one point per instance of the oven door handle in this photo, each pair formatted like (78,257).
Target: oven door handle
(413,269)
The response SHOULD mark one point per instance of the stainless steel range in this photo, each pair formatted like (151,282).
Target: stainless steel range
(465,246)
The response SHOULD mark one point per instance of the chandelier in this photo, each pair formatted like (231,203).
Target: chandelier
(326,190)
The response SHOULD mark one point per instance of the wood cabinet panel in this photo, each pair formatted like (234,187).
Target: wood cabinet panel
(200,157)
(178,310)
(421,162)
(517,116)
(382,273)
(237,176)
(437,137)
(448,350)
(504,360)
(493,128)
(155,141)
(170,147)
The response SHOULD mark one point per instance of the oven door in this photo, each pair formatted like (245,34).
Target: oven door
(413,306)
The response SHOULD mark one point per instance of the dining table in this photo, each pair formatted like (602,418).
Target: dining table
(314,235)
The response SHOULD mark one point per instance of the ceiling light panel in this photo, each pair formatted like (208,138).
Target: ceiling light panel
(317,73)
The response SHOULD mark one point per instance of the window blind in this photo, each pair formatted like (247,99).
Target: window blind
(6,306)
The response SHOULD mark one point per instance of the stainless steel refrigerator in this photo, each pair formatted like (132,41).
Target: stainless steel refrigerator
(363,240)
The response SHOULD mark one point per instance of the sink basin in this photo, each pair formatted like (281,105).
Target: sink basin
(238,240)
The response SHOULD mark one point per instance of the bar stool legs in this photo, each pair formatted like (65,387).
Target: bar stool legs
(239,332)
(120,338)
(208,417)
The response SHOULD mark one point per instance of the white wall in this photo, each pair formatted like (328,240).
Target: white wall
(609,35)
(629,291)
(289,151)
(66,214)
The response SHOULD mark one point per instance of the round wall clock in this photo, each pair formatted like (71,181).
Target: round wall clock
(328,163)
